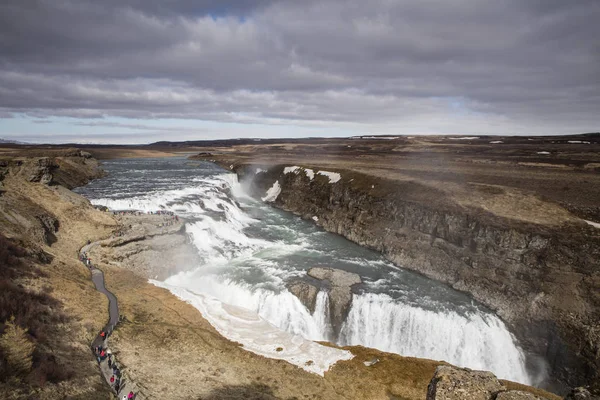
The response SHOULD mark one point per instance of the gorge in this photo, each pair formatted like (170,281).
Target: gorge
(248,253)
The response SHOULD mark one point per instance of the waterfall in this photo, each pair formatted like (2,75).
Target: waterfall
(475,340)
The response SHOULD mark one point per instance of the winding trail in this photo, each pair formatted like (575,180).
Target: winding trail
(125,386)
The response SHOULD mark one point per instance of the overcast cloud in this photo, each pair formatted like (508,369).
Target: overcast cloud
(377,66)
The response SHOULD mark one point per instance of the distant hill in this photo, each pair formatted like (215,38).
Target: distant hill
(5,141)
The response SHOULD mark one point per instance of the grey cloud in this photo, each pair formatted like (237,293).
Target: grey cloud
(535,63)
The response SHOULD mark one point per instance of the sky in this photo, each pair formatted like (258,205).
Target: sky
(139,71)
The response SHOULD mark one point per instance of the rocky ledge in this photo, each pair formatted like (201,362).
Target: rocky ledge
(338,284)
(451,383)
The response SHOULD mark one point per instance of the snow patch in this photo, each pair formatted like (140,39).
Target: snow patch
(496,141)
(333,176)
(578,142)
(273,192)
(258,171)
(543,152)
(258,336)
(315,218)
(293,169)
(464,138)
(594,224)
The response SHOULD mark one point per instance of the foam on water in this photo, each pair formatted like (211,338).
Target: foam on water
(258,335)
(280,307)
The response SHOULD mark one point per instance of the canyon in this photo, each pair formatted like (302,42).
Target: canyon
(532,258)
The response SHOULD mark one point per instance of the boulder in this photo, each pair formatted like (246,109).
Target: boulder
(451,383)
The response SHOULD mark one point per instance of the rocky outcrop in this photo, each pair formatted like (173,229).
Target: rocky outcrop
(305,292)
(153,246)
(340,292)
(41,170)
(543,280)
(338,283)
(451,383)
(581,393)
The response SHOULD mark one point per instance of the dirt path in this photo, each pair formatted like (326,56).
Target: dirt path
(109,366)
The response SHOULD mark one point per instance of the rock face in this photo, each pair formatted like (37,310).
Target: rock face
(41,170)
(451,383)
(542,280)
(340,293)
(306,293)
(339,285)
(20,215)
(581,393)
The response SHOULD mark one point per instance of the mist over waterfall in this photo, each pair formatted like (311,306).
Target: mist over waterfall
(249,252)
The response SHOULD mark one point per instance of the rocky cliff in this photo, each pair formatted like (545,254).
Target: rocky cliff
(542,278)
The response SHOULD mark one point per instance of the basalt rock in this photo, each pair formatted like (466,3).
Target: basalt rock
(451,383)
(581,393)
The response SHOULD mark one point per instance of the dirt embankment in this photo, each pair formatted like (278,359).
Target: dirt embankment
(49,310)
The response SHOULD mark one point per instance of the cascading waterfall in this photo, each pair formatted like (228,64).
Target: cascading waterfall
(322,316)
(475,340)
(249,251)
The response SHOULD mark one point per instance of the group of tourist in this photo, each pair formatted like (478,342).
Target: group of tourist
(83,257)
(102,353)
